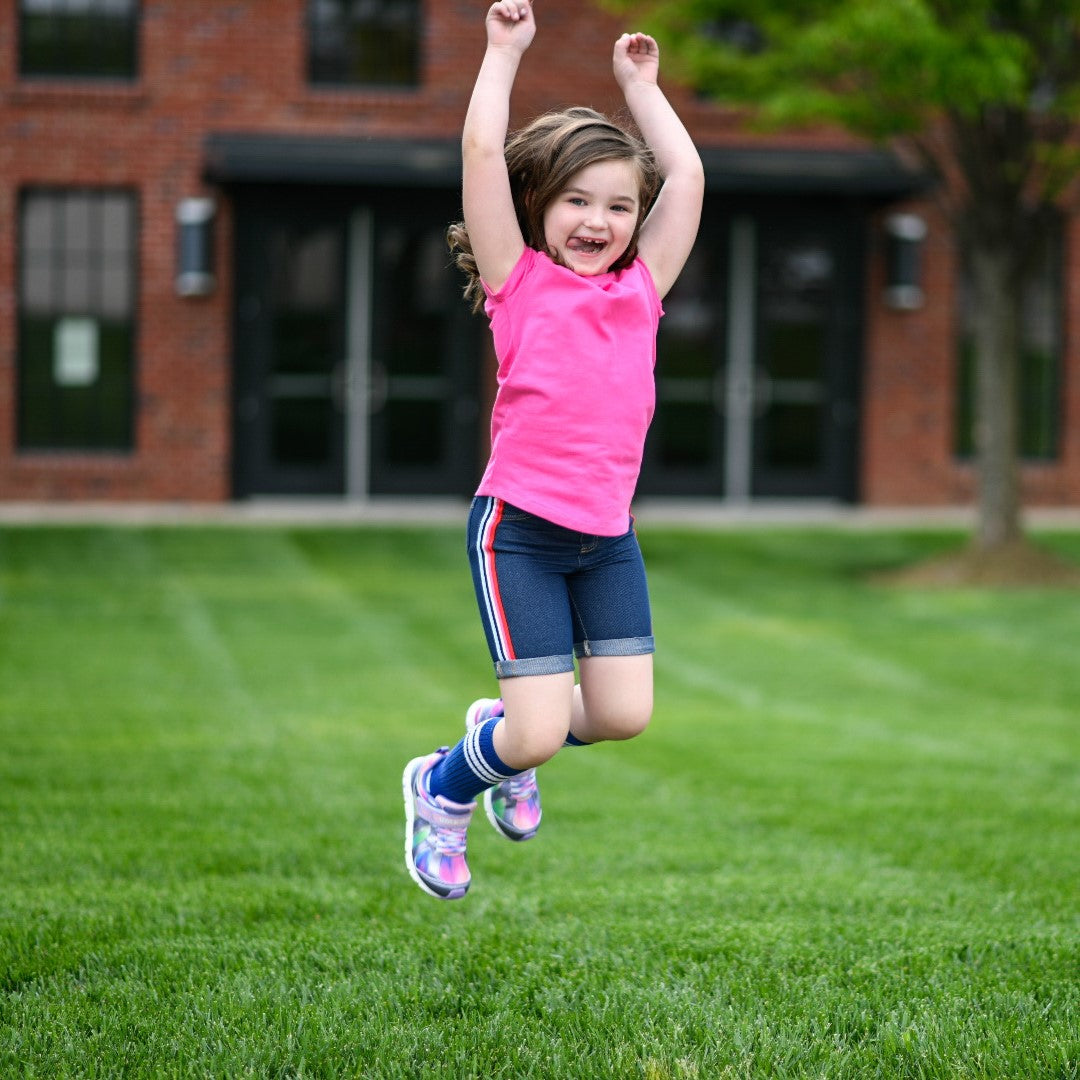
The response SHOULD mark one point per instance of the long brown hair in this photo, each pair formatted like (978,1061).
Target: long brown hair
(541,158)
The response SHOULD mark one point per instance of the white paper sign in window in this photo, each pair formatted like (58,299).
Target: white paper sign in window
(75,352)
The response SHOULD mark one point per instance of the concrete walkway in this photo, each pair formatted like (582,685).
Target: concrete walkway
(694,513)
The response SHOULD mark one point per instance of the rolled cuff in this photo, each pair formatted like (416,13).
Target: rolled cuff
(533,665)
(631,646)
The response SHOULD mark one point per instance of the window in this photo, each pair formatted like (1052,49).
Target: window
(1039,376)
(78,38)
(364,42)
(76,319)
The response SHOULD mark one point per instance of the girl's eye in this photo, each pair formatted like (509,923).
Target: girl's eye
(576,200)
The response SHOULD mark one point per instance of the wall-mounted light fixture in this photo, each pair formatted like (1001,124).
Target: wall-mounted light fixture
(195,247)
(904,238)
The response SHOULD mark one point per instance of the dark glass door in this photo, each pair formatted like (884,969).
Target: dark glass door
(357,360)
(426,356)
(806,355)
(685,449)
(758,358)
(290,345)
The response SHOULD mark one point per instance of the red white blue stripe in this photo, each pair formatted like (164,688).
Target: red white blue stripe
(489,581)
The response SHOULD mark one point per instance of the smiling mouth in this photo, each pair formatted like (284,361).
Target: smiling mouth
(584,246)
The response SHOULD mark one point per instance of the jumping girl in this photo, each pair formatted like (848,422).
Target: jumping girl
(574,231)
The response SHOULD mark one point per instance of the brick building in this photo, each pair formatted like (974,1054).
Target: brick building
(223,275)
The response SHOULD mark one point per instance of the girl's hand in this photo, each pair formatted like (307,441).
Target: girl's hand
(510,24)
(637,58)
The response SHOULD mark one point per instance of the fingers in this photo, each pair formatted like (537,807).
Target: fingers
(511,10)
(640,44)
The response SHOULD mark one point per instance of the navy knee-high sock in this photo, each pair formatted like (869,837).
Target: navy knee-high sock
(470,767)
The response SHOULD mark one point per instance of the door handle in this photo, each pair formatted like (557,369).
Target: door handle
(378,387)
(339,387)
(762,392)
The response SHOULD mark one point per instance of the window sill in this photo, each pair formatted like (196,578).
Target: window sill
(343,96)
(68,456)
(76,92)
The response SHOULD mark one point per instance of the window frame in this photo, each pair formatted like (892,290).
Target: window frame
(1041,443)
(99,433)
(320,70)
(101,26)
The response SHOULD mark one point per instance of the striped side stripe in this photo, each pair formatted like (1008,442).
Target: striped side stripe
(489,582)
(475,760)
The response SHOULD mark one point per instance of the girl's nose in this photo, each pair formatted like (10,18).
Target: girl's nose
(595,218)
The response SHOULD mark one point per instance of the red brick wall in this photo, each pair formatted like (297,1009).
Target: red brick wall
(908,376)
(909,388)
(239,65)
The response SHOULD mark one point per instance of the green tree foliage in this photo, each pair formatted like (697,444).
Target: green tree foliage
(986,92)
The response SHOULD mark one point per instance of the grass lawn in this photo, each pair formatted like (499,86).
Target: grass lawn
(847,847)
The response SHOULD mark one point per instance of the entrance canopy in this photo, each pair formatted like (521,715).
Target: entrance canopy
(309,159)
(262,158)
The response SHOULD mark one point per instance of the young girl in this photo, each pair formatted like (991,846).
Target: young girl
(569,243)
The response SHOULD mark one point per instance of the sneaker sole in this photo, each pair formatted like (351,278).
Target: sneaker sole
(455,892)
(499,827)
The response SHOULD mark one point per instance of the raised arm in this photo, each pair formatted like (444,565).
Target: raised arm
(488,205)
(669,231)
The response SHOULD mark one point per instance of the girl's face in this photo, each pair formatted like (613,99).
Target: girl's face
(591,222)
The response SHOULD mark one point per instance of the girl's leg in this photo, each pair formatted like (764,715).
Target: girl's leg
(537,717)
(614,643)
(519,565)
(614,699)
(527,727)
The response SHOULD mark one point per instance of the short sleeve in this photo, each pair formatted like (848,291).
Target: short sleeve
(521,268)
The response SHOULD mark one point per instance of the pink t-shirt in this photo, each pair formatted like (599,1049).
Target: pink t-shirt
(576,391)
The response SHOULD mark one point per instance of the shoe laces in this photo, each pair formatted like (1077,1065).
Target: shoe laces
(448,830)
(448,839)
(522,786)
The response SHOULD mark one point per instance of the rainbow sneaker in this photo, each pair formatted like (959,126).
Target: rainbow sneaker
(435,831)
(513,806)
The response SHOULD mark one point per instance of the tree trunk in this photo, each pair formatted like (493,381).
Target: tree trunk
(997,347)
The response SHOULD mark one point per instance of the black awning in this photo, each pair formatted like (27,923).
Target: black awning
(311,159)
(782,170)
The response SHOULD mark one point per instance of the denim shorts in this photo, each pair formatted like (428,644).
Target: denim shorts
(548,594)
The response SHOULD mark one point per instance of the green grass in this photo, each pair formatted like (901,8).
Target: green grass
(847,846)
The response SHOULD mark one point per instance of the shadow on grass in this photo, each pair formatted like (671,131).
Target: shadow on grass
(1020,564)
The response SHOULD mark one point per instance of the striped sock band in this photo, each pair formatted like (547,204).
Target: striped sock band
(470,767)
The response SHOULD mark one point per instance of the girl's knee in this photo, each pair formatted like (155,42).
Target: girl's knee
(616,696)
(538,710)
(525,746)
(625,723)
